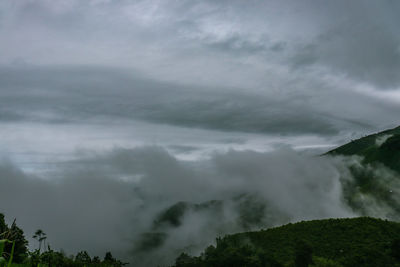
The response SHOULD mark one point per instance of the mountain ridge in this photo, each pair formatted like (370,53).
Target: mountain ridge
(382,147)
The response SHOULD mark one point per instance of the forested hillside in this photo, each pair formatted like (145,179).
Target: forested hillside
(333,242)
(382,147)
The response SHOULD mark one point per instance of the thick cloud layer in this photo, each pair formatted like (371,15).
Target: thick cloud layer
(116,200)
(272,67)
(216,84)
(224,42)
(84,94)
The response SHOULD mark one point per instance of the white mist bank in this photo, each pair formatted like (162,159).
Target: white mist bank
(107,201)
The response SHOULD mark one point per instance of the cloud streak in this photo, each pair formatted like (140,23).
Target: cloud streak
(80,94)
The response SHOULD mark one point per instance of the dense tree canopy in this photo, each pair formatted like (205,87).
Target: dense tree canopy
(333,242)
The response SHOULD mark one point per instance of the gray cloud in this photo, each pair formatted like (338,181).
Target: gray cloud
(361,45)
(115,199)
(270,67)
(185,40)
(64,94)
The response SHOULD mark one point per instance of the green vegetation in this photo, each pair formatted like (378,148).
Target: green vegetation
(333,242)
(375,180)
(3,261)
(14,252)
(383,147)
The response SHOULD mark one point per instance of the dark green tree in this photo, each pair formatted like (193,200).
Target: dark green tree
(83,257)
(109,260)
(395,249)
(96,259)
(184,260)
(34,257)
(303,254)
(49,257)
(109,257)
(21,244)
(3,225)
(14,233)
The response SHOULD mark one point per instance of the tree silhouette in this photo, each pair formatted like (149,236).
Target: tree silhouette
(21,244)
(40,236)
(3,225)
(83,257)
(109,257)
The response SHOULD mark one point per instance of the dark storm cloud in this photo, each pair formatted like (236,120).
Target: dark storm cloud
(78,93)
(177,62)
(64,94)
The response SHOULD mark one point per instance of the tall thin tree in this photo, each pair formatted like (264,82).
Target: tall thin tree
(40,236)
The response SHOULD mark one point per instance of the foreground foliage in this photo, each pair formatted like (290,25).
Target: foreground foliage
(14,252)
(333,242)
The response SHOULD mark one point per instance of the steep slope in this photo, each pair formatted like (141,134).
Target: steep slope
(374,188)
(333,242)
(382,147)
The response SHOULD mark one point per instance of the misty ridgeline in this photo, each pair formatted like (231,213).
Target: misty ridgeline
(231,192)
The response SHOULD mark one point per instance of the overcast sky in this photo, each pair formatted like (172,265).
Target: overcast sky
(249,69)
(193,78)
